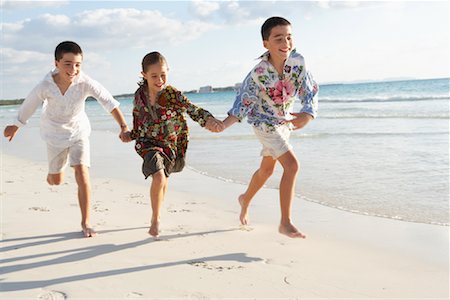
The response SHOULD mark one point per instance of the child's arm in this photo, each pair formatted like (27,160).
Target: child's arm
(246,98)
(26,110)
(198,114)
(300,120)
(107,101)
(124,131)
(230,120)
(308,95)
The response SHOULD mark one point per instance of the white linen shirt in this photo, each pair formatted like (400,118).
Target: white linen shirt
(64,120)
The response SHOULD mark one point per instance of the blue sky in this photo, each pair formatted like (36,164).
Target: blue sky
(217,43)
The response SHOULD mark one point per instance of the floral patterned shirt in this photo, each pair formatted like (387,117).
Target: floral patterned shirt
(267,98)
(162,126)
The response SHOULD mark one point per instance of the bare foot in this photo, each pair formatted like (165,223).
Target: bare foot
(244,211)
(88,231)
(154,229)
(290,231)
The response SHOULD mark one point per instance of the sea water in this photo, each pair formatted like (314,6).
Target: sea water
(379,148)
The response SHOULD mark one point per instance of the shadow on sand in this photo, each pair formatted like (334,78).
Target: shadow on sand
(74,255)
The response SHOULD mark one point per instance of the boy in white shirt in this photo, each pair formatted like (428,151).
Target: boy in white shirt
(64,123)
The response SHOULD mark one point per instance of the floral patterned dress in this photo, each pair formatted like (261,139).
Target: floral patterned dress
(267,98)
(162,127)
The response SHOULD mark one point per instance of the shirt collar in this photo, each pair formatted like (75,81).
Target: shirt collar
(80,77)
(265,55)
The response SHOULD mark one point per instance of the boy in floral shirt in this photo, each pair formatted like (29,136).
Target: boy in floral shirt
(160,129)
(266,98)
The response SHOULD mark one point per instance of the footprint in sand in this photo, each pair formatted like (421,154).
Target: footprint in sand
(35,208)
(194,203)
(52,295)
(178,210)
(137,199)
(204,265)
(98,208)
(245,228)
(134,295)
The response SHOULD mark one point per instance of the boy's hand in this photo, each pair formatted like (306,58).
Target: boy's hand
(10,131)
(214,125)
(125,136)
(230,120)
(300,120)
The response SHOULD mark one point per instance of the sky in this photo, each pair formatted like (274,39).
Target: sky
(217,43)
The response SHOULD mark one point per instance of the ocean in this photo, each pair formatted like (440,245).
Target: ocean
(379,149)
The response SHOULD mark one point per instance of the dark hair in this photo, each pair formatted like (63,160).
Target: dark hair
(151,59)
(67,47)
(271,23)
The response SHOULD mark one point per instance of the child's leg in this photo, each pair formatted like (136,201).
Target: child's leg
(57,161)
(256,183)
(84,198)
(287,190)
(55,179)
(157,192)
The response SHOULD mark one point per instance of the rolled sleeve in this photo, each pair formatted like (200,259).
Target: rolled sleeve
(29,106)
(308,95)
(245,99)
(103,96)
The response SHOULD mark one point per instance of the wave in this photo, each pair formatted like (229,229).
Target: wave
(376,116)
(382,99)
(298,135)
(327,204)
(366,134)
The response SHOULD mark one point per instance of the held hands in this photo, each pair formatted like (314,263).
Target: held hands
(125,133)
(300,120)
(10,131)
(214,125)
(125,136)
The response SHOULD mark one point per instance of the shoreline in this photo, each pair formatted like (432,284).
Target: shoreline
(304,198)
(345,255)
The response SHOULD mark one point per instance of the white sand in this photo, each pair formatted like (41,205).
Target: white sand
(202,253)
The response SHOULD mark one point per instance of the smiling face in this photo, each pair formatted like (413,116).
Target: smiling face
(279,43)
(156,76)
(69,66)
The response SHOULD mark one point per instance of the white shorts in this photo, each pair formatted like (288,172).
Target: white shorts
(78,154)
(275,143)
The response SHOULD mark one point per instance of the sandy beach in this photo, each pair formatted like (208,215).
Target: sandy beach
(202,252)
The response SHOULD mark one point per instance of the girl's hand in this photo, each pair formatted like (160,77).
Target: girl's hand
(125,136)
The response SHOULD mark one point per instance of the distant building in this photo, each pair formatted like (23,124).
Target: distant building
(205,89)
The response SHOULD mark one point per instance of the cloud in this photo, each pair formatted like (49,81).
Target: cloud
(102,28)
(233,12)
(23,66)
(15,5)
(204,9)
(332,4)
(18,57)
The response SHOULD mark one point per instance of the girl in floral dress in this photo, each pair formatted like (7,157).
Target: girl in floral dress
(160,129)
